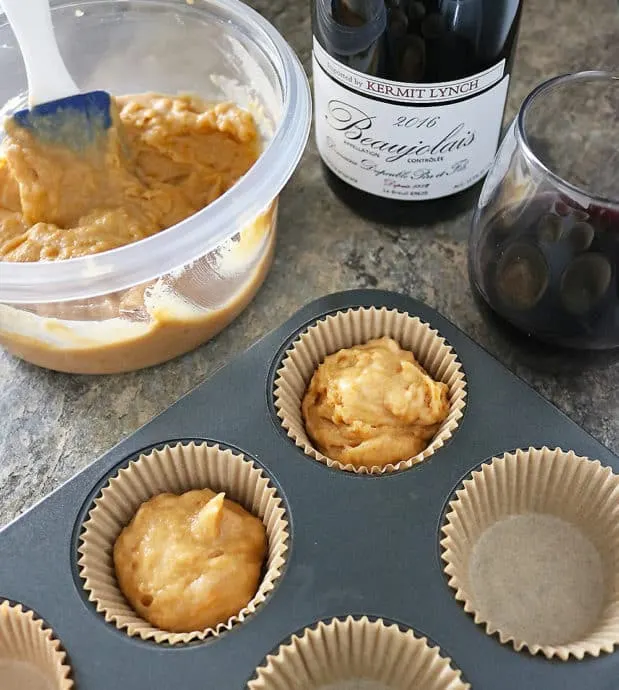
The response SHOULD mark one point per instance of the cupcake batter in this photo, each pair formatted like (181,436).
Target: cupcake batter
(189,562)
(373,404)
(163,159)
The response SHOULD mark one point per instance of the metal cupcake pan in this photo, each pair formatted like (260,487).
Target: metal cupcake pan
(359,544)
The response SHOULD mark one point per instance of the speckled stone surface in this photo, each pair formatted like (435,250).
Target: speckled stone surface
(52,425)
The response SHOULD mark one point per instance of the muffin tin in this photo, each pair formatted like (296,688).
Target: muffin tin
(359,544)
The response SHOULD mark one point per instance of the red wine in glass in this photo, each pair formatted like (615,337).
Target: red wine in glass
(551,268)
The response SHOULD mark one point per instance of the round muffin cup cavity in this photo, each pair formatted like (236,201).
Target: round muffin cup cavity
(176,469)
(345,329)
(531,547)
(30,655)
(359,654)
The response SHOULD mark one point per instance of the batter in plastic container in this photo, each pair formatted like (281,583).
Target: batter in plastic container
(163,159)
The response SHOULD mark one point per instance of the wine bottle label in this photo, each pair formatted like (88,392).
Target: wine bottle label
(402,140)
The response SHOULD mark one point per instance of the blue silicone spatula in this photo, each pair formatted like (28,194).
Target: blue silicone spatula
(58,114)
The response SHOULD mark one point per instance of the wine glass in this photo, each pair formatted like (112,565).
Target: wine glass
(544,245)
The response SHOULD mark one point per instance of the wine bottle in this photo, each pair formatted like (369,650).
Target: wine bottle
(409,100)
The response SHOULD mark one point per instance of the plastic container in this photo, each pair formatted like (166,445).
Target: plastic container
(150,301)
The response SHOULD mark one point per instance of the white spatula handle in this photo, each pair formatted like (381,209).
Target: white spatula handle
(48,77)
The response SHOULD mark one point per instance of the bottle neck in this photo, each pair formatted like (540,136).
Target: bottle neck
(366,21)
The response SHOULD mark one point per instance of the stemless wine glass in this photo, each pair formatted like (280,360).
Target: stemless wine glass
(544,246)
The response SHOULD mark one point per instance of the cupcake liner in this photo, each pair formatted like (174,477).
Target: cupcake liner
(30,656)
(354,327)
(531,546)
(175,469)
(355,654)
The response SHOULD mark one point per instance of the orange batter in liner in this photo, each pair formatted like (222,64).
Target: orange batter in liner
(190,562)
(373,404)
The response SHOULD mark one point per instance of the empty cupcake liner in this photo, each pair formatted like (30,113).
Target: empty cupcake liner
(354,327)
(30,655)
(531,546)
(357,654)
(175,469)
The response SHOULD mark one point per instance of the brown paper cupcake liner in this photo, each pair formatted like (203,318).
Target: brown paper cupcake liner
(531,546)
(355,327)
(176,469)
(351,654)
(30,652)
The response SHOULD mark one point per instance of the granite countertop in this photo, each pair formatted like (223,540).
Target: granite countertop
(52,425)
